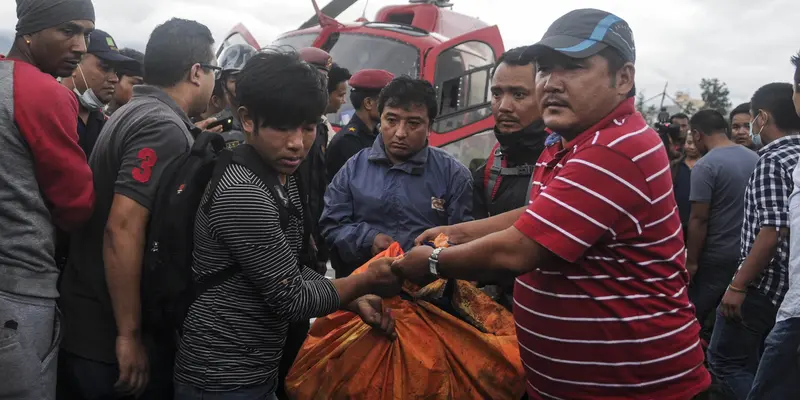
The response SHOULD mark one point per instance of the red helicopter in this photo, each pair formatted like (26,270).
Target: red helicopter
(423,39)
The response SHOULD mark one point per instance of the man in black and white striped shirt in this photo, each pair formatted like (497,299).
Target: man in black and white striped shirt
(751,302)
(234,332)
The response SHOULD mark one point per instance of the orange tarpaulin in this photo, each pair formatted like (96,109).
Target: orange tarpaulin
(435,356)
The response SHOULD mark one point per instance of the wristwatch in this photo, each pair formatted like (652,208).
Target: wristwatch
(433,261)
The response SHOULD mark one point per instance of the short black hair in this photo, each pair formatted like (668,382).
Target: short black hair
(357,97)
(336,76)
(678,116)
(405,91)
(281,91)
(796,63)
(709,122)
(174,47)
(615,63)
(518,56)
(777,99)
(743,108)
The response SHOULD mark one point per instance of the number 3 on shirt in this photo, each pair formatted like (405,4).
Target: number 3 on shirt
(147,160)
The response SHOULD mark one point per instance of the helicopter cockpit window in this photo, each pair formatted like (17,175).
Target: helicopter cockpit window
(462,81)
(296,42)
(359,51)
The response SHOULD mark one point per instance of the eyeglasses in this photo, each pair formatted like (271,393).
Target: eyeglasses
(217,70)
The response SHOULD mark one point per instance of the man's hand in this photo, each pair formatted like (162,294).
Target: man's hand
(134,369)
(381,243)
(453,232)
(370,309)
(206,122)
(384,282)
(414,266)
(731,305)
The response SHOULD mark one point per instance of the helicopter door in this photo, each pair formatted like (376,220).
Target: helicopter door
(460,69)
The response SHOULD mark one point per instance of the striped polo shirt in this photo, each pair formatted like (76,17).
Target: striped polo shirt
(611,320)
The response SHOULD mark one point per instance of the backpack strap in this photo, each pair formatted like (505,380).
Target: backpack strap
(491,173)
(496,168)
(310,248)
(247,156)
(224,159)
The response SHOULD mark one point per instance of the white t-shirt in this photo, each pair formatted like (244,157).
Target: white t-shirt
(790,308)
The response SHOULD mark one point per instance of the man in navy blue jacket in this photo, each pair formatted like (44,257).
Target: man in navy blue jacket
(399,187)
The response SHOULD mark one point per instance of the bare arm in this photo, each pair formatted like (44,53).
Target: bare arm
(698,229)
(123,245)
(763,251)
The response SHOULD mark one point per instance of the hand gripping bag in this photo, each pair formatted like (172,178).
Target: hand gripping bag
(453,342)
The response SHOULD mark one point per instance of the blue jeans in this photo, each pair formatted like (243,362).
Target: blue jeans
(262,392)
(778,373)
(735,347)
(707,289)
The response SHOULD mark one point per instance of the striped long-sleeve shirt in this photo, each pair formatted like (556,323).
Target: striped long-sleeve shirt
(234,333)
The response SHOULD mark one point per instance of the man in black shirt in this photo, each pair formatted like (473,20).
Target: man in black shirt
(504,182)
(94,82)
(360,132)
(106,351)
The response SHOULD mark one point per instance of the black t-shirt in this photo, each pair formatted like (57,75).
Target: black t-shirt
(90,131)
(513,190)
(130,155)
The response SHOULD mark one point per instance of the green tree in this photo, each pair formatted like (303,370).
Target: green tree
(715,95)
(649,112)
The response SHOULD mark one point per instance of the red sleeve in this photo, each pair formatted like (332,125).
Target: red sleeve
(596,192)
(47,116)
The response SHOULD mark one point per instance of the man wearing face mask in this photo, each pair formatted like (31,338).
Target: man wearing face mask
(504,182)
(750,304)
(93,83)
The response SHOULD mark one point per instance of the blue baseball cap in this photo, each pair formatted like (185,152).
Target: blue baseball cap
(585,32)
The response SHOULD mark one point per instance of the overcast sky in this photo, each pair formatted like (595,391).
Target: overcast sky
(679,41)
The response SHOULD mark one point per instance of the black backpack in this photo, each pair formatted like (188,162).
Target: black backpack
(168,287)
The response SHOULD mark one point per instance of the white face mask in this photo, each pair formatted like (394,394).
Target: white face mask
(88,99)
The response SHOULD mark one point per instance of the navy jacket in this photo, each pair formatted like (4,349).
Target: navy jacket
(369,196)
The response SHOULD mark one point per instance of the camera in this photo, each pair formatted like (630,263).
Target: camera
(666,128)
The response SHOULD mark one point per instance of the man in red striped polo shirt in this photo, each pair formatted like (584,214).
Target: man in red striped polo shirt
(600,298)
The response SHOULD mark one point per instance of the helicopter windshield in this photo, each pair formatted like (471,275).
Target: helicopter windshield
(296,42)
(358,51)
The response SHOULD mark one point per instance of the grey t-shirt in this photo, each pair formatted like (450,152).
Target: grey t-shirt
(720,179)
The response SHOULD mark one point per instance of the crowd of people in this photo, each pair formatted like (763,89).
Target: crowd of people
(637,264)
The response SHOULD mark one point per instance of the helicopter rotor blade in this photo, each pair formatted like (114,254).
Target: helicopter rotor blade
(332,9)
